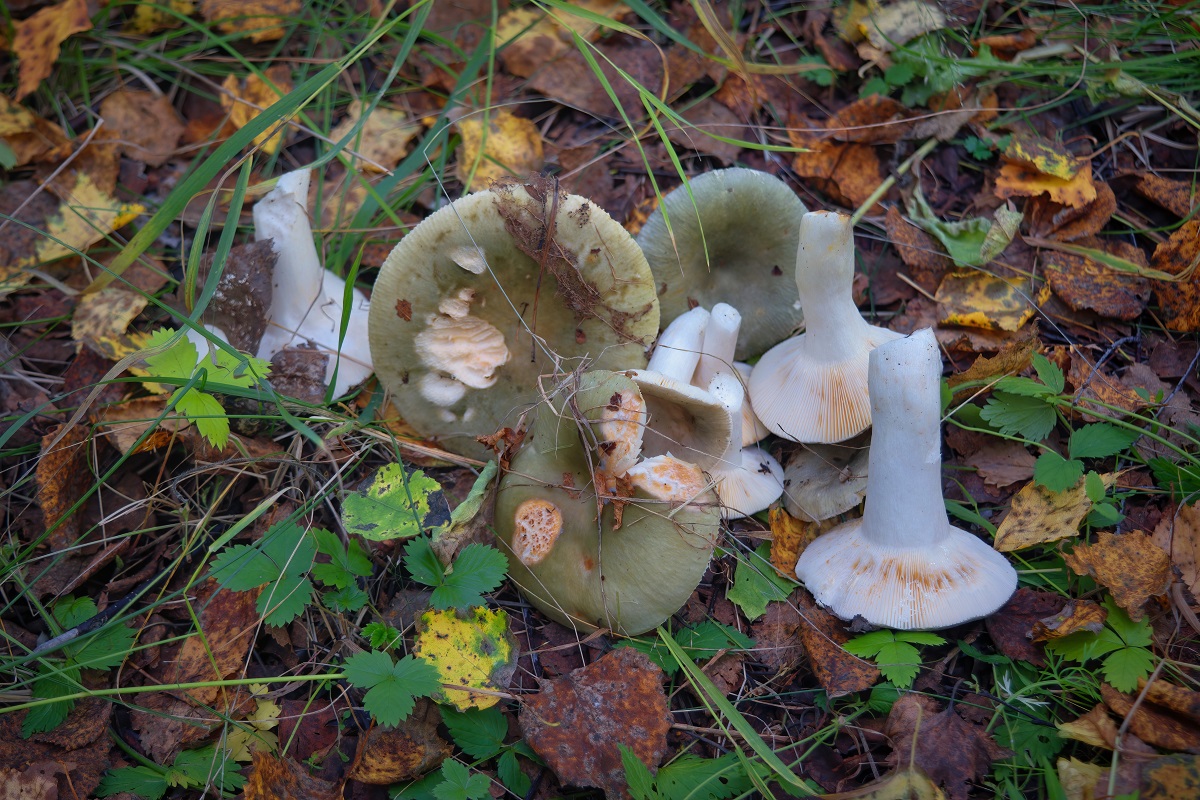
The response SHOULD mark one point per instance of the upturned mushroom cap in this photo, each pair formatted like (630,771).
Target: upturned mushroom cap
(682,420)
(480,299)
(630,579)
(813,387)
(736,244)
(903,565)
(748,479)
(823,480)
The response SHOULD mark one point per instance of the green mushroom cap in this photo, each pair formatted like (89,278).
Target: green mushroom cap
(735,244)
(566,558)
(498,288)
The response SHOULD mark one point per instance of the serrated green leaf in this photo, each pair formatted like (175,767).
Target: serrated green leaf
(1122,668)
(422,563)
(351,598)
(346,564)
(205,412)
(1094,487)
(478,732)
(177,361)
(285,599)
(207,764)
(242,567)
(868,645)
(637,775)
(1013,414)
(1100,440)
(919,637)
(145,782)
(883,696)
(103,649)
(1025,387)
(395,506)
(1049,373)
(899,662)
(392,686)
(71,611)
(1055,472)
(693,778)
(508,769)
(51,683)
(1135,633)
(238,370)
(458,783)
(477,570)
(755,583)
(380,635)
(420,789)
(1104,515)
(1028,739)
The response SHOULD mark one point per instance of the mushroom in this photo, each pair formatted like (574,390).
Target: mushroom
(578,567)
(716,357)
(903,565)
(496,289)
(748,479)
(821,481)
(732,239)
(813,387)
(306,299)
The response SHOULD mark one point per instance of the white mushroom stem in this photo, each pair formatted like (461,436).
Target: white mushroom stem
(748,479)
(678,349)
(833,325)
(720,341)
(903,565)
(752,428)
(307,302)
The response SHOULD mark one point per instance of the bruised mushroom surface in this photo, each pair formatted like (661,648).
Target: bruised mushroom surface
(566,553)
(496,289)
(903,565)
(732,239)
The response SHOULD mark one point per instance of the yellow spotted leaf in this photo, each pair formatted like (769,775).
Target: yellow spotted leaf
(383,139)
(1043,156)
(507,145)
(85,217)
(472,649)
(244,100)
(529,38)
(148,18)
(38,39)
(101,319)
(1019,179)
(978,300)
(1039,516)
(259,20)
(255,734)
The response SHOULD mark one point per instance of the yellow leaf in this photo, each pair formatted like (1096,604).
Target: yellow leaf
(1043,156)
(474,649)
(510,145)
(1017,179)
(254,734)
(1039,516)
(260,20)
(148,18)
(246,99)
(530,38)
(383,139)
(85,217)
(978,300)
(898,23)
(37,40)
(101,319)
(1078,778)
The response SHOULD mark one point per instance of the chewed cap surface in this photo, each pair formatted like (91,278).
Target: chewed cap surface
(538,524)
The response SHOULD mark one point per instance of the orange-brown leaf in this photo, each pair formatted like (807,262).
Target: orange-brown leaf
(37,41)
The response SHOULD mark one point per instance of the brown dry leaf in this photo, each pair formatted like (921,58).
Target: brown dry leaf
(823,635)
(1007,45)
(709,119)
(1076,615)
(1173,698)
(30,137)
(1051,220)
(1170,778)
(1153,724)
(952,751)
(777,635)
(1178,533)
(569,80)
(245,100)
(228,624)
(63,474)
(1017,179)
(402,753)
(384,137)
(920,251)
(146,124)
(1010,627)
(1039,516)
(1086,284)
(576,722)
(1095,728)
(530,38)
(37,39)
(125,422)
(789,537)
(977,300)
(162,15)
(849,172)
(260,19)
(1096,385)
(284,778)
(1001,462)
(510,146)
(40,767)
(1178,197)
(1179,300)
(874,119)
(1011,360)
(1130,565)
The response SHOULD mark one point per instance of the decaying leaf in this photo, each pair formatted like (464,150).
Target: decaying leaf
(1130,565)
(30,137)
(920,251)
(1178,197)
(474,649)
(1010,360)
(508,146)
(952,751)
(246,99)
(1039,516)
(1051,220)
(1095,728)
(1170,777)
(1179,300)
(851,170)
(1178,533)
(823,635)
(1084,283)
(1001,462)
(37,39)
(576,722)
(1011,626)
(1034,166)
(260,20)
(63,475)
(895,24)
(407,751)
(528,37)
(1078,778)
(978,300)
(1160,726)
(777,635)
(146,126)
(789,537)
(1076,615)
(1095,387)
(163,15)
(278,778)
(384,137)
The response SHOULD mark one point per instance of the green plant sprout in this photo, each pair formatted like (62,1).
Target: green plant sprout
(477,570)
(1122,644)
(893,652)
(392,687)
(191,769)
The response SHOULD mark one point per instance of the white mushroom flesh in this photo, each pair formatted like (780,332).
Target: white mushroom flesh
(467,348)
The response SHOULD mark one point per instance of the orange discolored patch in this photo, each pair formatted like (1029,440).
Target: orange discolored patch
(668,478)
(538,525)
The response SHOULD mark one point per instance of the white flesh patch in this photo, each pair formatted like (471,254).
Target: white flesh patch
(466,348)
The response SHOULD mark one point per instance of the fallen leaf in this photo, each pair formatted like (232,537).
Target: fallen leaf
(1170,778)
(1007,45)
(1011,626)
(1001,462)
(1129,565)
(260,20)
(708,119)
(898,23)
(402,753)
(255,734)
(86,216)
(1079,779)
(569,79)
(1179,300)
(823,635)
(1039,516)
(245,100)
(952,751)
(474,649)
(874,119)
(1083,283)
(1051,220)
(124,423)
(852,170)
(281,778)
(30,137)
(1178,533)
(1095,728)
(909,783)
(777,635)
(978,300)
(1022,180)
(383,139)
(1173,698)
(160,16)
(145,124)
(527,37)
(1153,724)
(1093,385)
(918,249)
(37,39)
(63,475)
(789,537)
(1178,197)
(576,722)
(1076,615)
(510,145)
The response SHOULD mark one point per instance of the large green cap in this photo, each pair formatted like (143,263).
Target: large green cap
(732,239)
(497,289)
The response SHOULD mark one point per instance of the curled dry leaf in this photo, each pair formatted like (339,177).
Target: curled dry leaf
(1152,723)
(281,778)
(920,251)
(824,635)
(383,139)
(1130,565)
(789,537)
(1076,615)
(1038,515)
(30,137)
(576,722)
(1001,462)
(848,171)
(777,635)
(1012,358)
(1178,533)
(1011,626)
(1097,385)
(63,475)
(244,100)
(1051,220)
(407,751)
(1178,197)
(1034,166)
